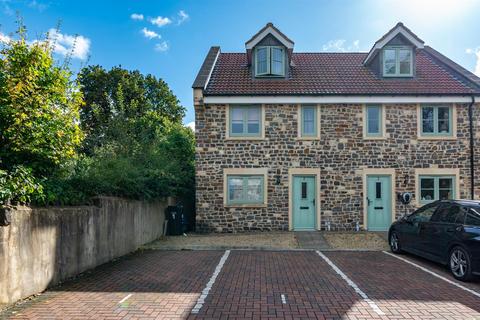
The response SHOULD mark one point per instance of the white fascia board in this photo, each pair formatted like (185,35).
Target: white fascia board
(211,70)
(387,39)
(335,99)
(279,37)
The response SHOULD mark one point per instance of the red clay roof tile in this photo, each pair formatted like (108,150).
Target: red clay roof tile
(332,74)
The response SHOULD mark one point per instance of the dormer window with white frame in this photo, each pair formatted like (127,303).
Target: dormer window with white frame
(397,61)
(269,61)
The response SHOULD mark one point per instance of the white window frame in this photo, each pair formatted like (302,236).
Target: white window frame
(269,73)
(397,61)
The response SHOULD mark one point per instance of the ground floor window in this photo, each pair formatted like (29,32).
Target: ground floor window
(436,188)
(245,189)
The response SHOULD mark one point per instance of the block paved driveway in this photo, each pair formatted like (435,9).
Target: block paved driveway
(257,285)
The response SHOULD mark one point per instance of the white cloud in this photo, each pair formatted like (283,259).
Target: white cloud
(162,46)
(191,125)
(136,16)
(150,34)
(34,4)
(64,44)
(182,17)
(340,45)
(160,21)
(476,52)
(4,38)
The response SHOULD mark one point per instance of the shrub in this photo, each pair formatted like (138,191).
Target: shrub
(19,186)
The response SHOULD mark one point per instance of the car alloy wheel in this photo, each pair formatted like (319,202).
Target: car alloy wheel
(460,263)
(394,242)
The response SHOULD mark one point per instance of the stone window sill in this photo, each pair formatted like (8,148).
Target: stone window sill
(374,138)
(437,138)
(245,205)
(308,138)
(243,138)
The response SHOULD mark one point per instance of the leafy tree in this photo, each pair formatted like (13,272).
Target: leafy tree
(39,108)
(135,145)
(119,99)
(19,186)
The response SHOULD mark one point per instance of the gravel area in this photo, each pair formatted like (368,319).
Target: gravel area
(269,240)
(252,240)
(356,240)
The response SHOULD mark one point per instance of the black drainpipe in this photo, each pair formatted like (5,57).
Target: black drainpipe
(472,152)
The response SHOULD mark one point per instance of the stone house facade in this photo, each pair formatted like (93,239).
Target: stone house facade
(330,141)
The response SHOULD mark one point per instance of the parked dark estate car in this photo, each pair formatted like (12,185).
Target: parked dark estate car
(446,231)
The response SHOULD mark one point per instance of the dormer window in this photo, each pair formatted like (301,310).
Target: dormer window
(270,61)
(397,62)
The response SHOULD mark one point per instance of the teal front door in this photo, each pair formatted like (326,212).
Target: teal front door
(304,203)
(379,202)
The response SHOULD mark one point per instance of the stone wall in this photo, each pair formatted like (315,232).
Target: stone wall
(44,246)
(341,153)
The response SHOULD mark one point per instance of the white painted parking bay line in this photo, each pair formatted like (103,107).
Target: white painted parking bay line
(124,299)
(352,284)
(475,293)
(206,290)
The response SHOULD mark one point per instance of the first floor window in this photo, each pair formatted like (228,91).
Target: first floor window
(309,121)
(436,188)
(245,189)
(245,121)
(436,120)
(373,121)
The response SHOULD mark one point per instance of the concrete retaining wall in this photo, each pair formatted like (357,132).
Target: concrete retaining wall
(44,246)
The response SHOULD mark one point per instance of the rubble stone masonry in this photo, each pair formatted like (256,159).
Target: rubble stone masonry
(341,153)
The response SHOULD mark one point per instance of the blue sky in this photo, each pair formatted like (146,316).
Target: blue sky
(171,38)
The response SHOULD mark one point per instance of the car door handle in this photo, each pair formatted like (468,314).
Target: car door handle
(304,208)
(378,208)
(452,229)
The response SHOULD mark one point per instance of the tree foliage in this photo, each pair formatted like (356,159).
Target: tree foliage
(135,146)
(114,132)
(122,99)
(39,108)
(19,185)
